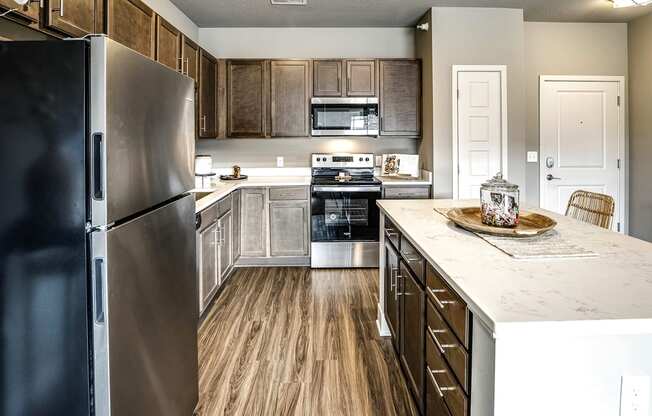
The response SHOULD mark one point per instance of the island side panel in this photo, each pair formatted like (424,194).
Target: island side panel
(567,375)
(383,329)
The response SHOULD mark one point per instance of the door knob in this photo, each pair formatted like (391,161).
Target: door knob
(550,177)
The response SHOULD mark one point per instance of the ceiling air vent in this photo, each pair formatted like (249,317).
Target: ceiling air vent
(289,2)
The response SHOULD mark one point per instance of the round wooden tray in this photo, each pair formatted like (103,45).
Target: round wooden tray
(232,178)
(530,223)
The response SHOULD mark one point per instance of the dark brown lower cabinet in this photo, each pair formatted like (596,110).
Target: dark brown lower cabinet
(391,293)
(411,329)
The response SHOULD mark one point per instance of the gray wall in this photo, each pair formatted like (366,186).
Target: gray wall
(296,152)
(424,52)
(640,127)
(303,43)
(172,14)
(566,49)
(477,36)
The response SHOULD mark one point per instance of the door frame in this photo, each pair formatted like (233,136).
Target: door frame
(502,69)
(623,155)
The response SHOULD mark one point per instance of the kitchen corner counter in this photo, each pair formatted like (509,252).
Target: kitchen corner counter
(609,294)
(403,181)
(219,189)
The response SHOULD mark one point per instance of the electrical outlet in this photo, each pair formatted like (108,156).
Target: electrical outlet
(280,162)
(635,396)
(532,157)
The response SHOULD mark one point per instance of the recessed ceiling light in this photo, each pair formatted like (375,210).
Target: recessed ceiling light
(630,3)
(293,2)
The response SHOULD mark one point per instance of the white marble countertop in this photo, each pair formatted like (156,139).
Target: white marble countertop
(608,294)
(220,189)
(403,181)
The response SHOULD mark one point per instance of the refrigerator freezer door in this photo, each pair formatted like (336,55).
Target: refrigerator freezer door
(145,314)
(143,132)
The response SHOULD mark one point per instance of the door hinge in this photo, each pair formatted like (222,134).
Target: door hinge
(618,163)
(618,227)
(458,94)
(618,101)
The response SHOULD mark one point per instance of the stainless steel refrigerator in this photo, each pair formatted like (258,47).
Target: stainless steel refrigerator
(98,290)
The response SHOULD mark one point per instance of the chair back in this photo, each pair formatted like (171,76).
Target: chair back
(591,207)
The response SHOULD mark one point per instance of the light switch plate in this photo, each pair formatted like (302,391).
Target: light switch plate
(635,396)
(280,162)
(533,157)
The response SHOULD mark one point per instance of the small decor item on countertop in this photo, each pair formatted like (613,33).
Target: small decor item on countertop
(235,176)
(203,165)
(499,203)
(401,165)
(391,165)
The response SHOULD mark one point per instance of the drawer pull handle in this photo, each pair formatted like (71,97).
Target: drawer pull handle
(393,272)
(411,259)
(441,347)
(441,303)
(396,293)
(391,233)
(440,390)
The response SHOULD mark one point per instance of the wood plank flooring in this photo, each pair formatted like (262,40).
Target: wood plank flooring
(296,341)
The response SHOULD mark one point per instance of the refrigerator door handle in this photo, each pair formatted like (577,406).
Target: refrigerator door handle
(99,290)
(98,176)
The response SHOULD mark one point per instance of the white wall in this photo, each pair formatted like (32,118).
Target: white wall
(566,49)
(302,42)
(176,17)
(476,36)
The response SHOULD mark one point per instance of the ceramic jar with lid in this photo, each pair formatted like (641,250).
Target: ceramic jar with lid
(499,200)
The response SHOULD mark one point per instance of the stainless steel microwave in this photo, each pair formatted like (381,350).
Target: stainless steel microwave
(344,116)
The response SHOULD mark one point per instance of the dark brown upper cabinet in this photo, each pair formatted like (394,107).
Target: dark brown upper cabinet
(72,17)
(246,86)
(29,12)
(290,98)
(361,78)
(168,45)
(400,97)
(207,114)
(190,58)
(133,24)
(327,76)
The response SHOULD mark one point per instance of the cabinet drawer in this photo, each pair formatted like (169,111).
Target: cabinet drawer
(401,192)
(435,405)
(413,259)
(440,375)
(289,193)
(392,233)
(448,304)
(224,205)
(208,216)
(448,345)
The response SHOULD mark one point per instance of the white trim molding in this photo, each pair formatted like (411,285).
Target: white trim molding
(504,143)
(623,156)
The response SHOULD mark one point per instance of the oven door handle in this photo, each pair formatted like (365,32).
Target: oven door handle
(337,188)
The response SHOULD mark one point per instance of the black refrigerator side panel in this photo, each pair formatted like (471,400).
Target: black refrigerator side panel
(44,369)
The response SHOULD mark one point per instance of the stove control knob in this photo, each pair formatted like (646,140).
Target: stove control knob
(360,159)
(318,159)
(366,159)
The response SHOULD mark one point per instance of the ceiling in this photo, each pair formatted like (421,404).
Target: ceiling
(386,13)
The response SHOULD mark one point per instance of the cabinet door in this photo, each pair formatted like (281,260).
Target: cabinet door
(30,11)
(290,100)
(361,78)
(207,115)
(72,17)
(236,226)
(391,292)
(253,222)
(246,97)
(327,78)
(288,227)
(190,58)
(400,97)
(133,24)
(208,277)
(168,44)
(225,254)
(412,345)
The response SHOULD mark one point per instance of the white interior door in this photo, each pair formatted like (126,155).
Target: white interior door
(479,130)
(581,141)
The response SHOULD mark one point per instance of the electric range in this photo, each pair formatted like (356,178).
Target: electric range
(344,215)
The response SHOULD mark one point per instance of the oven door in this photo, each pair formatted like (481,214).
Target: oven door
(344,213)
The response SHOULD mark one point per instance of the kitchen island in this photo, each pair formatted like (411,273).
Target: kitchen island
(513,337)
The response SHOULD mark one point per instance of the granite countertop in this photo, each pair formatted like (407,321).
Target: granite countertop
(219,189)
(608,294)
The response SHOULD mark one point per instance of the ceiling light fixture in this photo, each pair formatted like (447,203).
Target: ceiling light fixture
(629,3)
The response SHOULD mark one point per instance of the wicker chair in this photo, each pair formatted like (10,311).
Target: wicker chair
(591,207)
